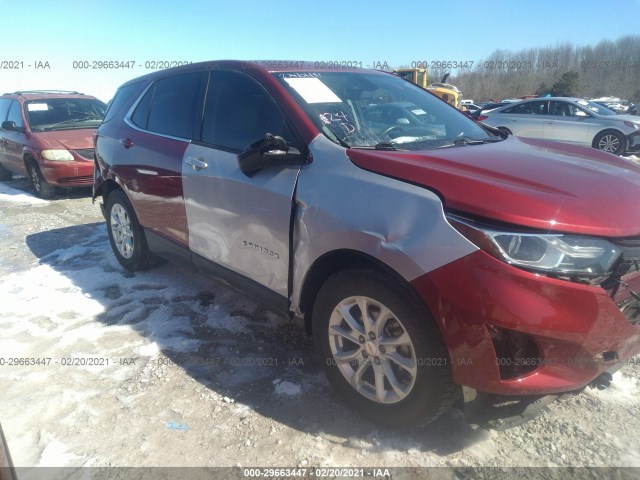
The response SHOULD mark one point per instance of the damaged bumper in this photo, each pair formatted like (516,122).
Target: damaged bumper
(512,332)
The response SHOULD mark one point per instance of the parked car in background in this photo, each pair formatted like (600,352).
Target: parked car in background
(48,137)
(422,256)
(485,107)
(571,120)
(471,108)
(616,104)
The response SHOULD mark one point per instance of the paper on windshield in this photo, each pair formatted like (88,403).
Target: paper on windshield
(37,107)
(312,90)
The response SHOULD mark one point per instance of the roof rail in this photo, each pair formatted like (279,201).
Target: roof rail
(53,92)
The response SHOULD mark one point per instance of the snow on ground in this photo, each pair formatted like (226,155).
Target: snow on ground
(9,194)
(165,368)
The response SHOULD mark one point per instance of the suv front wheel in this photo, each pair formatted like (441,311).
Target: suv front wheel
(382,350)
(126,235)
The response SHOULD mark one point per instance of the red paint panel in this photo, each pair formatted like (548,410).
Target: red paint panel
(570,323)
(551,186)
(151,173)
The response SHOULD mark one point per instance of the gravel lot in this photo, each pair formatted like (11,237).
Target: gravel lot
(170,369)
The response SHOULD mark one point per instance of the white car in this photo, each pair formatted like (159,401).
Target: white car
(570,120)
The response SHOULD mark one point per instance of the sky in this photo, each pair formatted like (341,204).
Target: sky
(54,35)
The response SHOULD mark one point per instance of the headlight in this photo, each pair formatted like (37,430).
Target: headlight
(561,255)
(57,155)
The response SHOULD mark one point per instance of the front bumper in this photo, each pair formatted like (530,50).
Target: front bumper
(68,174)
(633,142)
(573,331)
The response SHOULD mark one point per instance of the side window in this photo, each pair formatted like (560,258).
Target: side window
(574,111)
(174,104)
(239,111)
(559,109)
(5,103)
(122,97)
(15,115)
(529,108)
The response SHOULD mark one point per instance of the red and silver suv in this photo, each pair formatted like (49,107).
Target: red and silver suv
(47,135)
(423,251)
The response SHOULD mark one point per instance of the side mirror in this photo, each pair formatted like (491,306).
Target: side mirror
(261,153)
(11,125)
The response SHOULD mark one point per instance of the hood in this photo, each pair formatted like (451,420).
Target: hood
(623,117)
(77,139)
(532,183)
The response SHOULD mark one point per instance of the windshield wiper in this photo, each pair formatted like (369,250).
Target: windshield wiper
(462,140)
(386,146)
(92,116)
(53,126)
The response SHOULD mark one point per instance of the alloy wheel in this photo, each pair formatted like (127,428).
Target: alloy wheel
(609,143)
(372,350)
(121,230)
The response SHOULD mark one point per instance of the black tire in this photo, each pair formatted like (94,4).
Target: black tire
(427,393)
(611,141)
(5,174)
(126,236)
(43,189)
(505,130)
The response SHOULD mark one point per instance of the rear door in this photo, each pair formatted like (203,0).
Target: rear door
(150,147)
(525,119)
(240,222)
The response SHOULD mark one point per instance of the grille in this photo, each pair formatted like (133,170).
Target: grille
(624,286)
(83,179)
(85,153)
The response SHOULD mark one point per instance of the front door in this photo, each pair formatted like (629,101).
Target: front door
(237,221)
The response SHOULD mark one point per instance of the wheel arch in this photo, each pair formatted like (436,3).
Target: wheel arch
(605,130)
(106,188)
(29,155)
(339,260)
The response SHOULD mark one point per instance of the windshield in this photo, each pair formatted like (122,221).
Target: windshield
(595,107)
(373,110)
(64,113)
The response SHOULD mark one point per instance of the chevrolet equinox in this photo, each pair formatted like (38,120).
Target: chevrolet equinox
(424,252)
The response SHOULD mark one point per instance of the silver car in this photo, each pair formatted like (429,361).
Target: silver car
(571,120)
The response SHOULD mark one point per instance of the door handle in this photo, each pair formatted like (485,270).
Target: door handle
(196,163)
(126,142)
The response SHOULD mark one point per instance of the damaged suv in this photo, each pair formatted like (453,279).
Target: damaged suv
(424,251)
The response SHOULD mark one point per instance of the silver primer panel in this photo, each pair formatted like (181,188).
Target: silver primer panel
(237,221)
(341,206)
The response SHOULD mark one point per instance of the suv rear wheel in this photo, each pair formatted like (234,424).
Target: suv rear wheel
(126,235)
(382,350)
(40,185)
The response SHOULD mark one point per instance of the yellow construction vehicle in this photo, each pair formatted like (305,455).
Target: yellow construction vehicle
(447,92)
